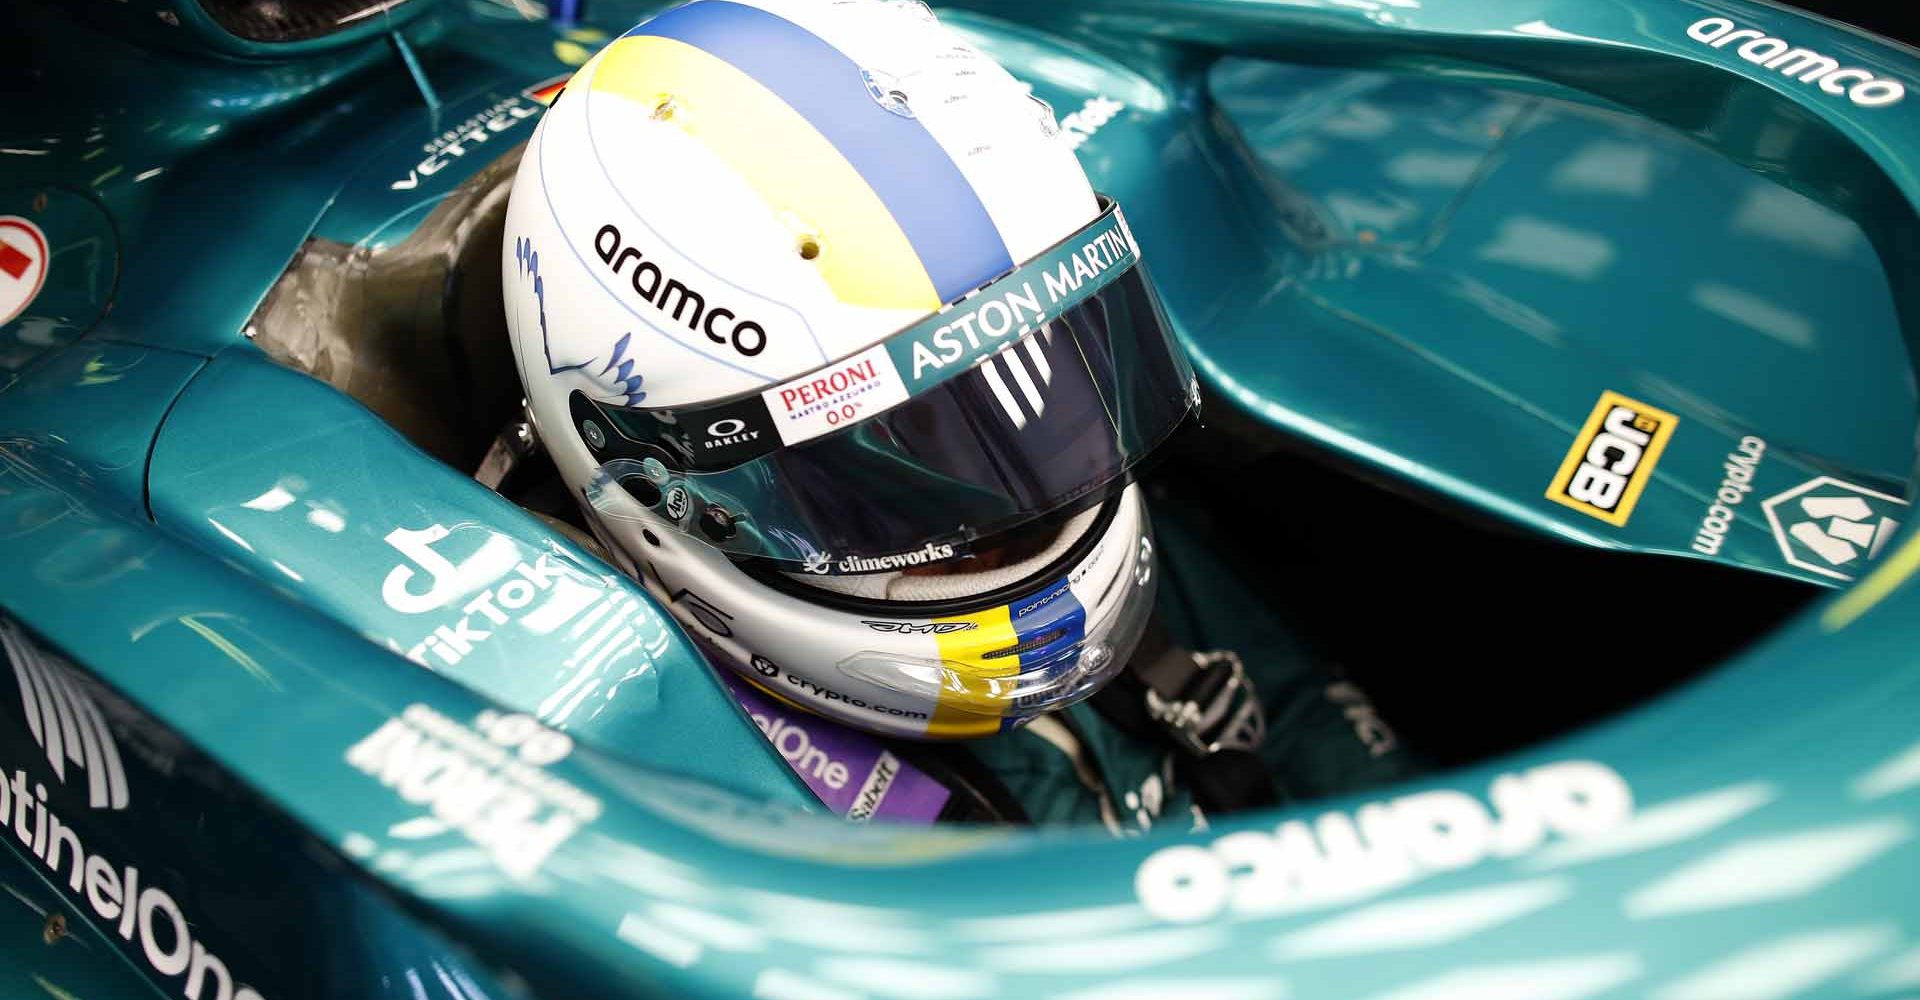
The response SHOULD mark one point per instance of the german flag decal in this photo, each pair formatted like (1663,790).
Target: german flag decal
(545,91)
(1612,458)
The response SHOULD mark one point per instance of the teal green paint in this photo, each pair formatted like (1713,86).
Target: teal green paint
(1412,354)
(414,166)
(92,410)
(286,478)
(413,69)
(82,269)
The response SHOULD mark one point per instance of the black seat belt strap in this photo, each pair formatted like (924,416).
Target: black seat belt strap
(1205,705)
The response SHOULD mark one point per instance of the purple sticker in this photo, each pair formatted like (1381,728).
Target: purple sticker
(849,770)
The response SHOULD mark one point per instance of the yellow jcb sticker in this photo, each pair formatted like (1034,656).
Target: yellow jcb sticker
(1612,458)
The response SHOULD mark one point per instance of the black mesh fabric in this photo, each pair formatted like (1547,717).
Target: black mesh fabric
(292,20)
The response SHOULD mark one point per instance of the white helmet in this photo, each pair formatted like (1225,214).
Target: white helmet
(847,360)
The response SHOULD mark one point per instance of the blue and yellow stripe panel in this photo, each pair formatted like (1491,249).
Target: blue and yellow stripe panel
(899,225)
(1040,634)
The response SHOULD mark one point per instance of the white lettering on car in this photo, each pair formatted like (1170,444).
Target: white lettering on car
(486,783)
(146,916)
(495,588)
(1734,488)
(1078,127)
(452,144)
(1860,86)
(1339,857)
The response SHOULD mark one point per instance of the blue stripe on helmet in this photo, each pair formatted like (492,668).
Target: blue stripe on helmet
(929,198)
(1054,610)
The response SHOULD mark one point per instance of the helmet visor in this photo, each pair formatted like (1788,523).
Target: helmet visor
(1037,423)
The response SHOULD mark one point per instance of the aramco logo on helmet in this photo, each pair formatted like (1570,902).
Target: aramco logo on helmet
(1860,86)
(673,298)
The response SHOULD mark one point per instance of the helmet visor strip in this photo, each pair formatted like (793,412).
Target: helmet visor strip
(1037,392)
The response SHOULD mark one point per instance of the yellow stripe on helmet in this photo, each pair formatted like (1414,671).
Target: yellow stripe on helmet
(973,696)
(863,255)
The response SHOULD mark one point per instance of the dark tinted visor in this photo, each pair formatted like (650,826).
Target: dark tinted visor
(1037,423)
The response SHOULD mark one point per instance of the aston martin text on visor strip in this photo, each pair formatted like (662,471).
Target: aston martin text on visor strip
(918,358)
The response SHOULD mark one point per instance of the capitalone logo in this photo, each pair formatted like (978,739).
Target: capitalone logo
(65,721)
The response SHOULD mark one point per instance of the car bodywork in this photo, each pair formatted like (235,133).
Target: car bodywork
(1427,239)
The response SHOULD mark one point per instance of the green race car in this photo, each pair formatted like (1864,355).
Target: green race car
(1550,485)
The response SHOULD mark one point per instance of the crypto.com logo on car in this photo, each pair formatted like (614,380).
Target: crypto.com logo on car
(1832,527)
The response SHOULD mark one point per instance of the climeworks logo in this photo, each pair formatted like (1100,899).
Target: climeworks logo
(65,722)
(1860,86)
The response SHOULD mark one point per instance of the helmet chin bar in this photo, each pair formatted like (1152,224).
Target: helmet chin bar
(917,671)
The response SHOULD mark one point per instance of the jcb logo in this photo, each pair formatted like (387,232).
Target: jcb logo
(1612,459)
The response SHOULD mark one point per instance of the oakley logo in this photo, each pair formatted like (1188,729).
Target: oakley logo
(919,628)
(65,722)
(728,432)
(1857,85)
(1030,372)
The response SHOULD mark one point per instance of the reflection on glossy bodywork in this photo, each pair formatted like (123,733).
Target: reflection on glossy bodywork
(1421,275)
(1563,205)
(442,573)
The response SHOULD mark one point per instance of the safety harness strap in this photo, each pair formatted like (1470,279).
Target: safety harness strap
(1206,707)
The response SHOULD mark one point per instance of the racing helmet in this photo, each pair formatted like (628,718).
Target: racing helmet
(846,360)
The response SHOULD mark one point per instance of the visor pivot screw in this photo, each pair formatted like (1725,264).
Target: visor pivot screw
(665,109)
(809,247)
(594,435)
(716,524)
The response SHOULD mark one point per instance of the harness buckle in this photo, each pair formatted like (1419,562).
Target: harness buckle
(1216,709)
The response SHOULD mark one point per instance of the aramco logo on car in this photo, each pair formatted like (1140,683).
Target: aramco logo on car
(1860,86)
(1340,856)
